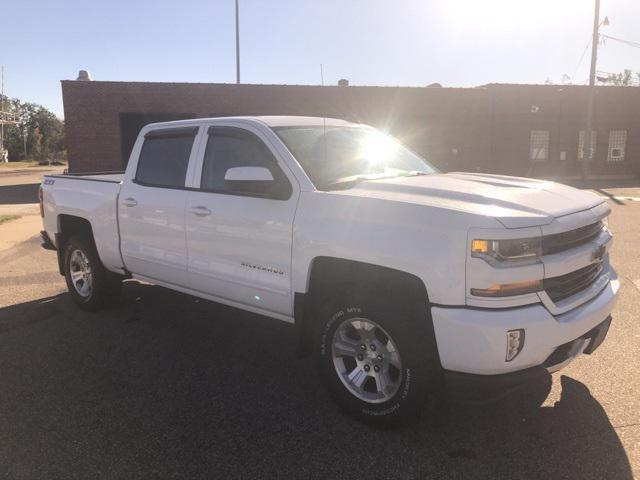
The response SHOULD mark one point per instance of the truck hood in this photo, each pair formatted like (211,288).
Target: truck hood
(513,201)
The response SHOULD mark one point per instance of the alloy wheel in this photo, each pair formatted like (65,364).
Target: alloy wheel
(367,360)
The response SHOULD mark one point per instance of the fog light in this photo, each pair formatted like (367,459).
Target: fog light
(515,342)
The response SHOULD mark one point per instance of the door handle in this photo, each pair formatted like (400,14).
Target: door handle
(129,202)
(200,211)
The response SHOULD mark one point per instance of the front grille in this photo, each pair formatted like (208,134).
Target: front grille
(564,286)
(559,242)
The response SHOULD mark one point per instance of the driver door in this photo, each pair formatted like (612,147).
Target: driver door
(239,223)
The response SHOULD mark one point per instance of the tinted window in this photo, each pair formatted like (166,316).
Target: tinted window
(336,157)
(229,147)
(164,159)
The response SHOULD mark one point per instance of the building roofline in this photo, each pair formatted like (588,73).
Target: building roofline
(250,85)
(488,86)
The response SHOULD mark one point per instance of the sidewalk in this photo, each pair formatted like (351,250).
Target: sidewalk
(17,231)
(624,187)
(18,196)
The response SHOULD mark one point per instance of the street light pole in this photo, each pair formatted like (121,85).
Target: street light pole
(587,151)
(237,42)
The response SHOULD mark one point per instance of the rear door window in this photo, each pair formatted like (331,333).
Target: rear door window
(164,157)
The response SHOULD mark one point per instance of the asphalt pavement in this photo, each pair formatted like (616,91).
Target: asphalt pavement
(165,385)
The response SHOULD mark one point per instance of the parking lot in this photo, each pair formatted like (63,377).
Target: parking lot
(168,386)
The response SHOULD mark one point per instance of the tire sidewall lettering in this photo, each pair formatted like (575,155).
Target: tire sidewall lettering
(381,413)
(324,347)
(407,384)
(397,404)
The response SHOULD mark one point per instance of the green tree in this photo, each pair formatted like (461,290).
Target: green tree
(623,79)
(39,134)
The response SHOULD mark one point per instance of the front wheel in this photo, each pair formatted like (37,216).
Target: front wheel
(91,286)
(378,361)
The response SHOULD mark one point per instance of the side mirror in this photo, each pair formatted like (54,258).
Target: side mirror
(254,181)
(248,174)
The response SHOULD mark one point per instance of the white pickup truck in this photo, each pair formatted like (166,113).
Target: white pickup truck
(398,278)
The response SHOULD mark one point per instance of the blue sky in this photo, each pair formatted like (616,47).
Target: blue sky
(370,42)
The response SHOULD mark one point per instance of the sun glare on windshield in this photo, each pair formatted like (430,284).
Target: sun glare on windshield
(339,157)
(376,149)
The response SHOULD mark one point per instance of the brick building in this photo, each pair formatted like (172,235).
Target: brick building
(531,130)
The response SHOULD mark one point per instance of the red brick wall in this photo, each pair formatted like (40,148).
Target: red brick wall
(477,129)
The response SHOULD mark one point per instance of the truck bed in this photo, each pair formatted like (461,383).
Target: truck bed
(114,177)
(89,196)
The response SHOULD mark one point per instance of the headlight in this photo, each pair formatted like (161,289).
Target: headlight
(505,250)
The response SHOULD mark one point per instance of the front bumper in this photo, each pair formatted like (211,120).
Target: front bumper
(473,341)
(560,357)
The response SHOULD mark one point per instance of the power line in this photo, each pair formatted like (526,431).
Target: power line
(581,58)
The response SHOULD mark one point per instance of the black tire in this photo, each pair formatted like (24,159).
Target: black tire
(105,285)
(420,381)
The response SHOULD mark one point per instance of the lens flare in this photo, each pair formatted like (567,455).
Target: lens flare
(377,149)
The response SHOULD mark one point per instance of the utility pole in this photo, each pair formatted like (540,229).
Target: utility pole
(2,119)
(6,118)
(237,42)
(587,151)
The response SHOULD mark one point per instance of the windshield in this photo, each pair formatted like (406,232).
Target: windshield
(340,157)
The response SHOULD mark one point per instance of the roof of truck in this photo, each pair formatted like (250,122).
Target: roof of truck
(269,120)
(287,121)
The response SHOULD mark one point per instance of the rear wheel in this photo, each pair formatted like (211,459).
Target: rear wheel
(377,360)
(91,286)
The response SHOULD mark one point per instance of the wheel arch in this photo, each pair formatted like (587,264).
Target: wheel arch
(68,226)
(331,276)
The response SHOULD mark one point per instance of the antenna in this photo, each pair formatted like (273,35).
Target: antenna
(237,42)
(324,119)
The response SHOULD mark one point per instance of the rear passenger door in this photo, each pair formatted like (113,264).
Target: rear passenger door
(239,222)
(151,207)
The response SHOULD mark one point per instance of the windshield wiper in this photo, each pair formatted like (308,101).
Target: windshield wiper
(343,184)
(350,182)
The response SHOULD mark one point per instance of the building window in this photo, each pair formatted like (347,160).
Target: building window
(581,145)
(539,150)
(617,145)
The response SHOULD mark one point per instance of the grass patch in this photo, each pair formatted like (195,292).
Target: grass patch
(8,218)
(17,164)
